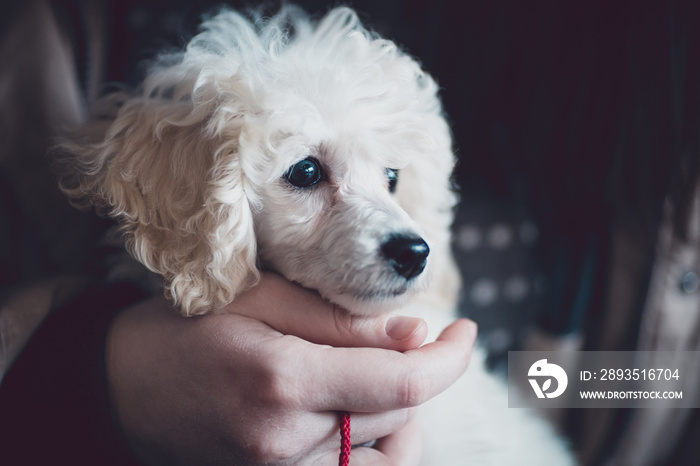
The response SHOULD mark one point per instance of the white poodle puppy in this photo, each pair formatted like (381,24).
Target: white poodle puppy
(316,149)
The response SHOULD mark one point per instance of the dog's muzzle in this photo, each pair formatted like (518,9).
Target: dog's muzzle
(407,254)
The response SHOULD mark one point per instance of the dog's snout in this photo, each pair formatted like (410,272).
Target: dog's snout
(406,254)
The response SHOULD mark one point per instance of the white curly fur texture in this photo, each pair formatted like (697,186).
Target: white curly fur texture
(187,162)
(193,167)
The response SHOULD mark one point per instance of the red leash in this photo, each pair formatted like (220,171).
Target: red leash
(345,441)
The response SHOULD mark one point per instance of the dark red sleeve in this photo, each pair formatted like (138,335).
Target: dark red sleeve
(54,401)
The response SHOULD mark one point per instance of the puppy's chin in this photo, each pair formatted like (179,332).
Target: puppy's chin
(371,304)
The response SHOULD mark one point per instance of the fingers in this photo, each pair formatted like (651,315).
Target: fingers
(293,310)
(401,448)
(404,446)
(319,378)
(368,427)
(373,380)
(361,456)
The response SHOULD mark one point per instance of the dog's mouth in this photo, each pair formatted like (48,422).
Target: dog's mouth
(380,294)
(371,300)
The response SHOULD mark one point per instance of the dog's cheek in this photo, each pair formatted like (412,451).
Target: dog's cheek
(283,234)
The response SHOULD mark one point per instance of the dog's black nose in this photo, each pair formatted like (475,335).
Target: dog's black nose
(406,254)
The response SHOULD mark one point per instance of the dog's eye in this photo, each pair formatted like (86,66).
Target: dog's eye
(304,174)
(393,175)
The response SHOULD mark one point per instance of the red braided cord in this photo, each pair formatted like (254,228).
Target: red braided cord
(345,441)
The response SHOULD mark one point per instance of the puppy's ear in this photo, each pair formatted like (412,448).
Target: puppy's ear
(170,174)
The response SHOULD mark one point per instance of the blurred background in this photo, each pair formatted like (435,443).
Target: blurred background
(577,130)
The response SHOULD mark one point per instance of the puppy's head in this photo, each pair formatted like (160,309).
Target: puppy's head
(316,149)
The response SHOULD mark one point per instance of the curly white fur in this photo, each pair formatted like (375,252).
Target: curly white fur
(193,166)
(186,163)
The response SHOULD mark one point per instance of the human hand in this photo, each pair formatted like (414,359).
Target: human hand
(248,385)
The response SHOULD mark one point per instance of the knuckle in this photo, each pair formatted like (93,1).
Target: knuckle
(345,323)
(279,388)
(270,448)
(414,389)
(410,414)
(356,328)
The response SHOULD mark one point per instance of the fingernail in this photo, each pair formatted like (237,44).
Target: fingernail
(402,328)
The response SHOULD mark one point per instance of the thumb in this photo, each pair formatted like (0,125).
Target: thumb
(293,310)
